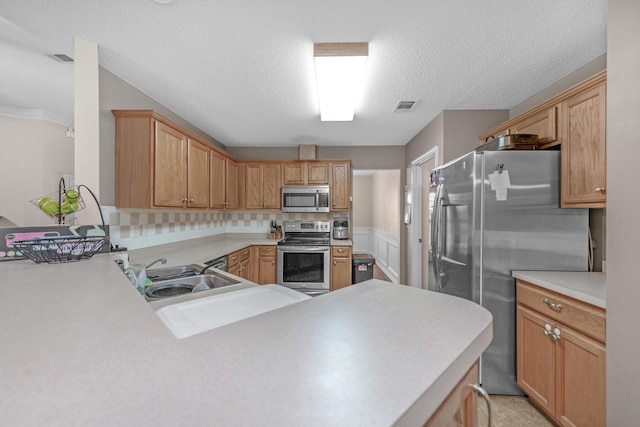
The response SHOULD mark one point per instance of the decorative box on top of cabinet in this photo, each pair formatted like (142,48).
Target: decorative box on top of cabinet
(561,355)
(158,164)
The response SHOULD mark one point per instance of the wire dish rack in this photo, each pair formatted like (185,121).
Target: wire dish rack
(60,249)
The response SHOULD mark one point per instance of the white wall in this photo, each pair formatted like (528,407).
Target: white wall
(623,220)
(35,154)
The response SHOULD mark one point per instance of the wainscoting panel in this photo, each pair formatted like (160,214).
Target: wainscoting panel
(384,247)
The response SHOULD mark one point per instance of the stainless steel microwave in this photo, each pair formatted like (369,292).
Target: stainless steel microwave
(305,198)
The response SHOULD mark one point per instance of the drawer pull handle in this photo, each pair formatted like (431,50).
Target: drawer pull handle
(555,306)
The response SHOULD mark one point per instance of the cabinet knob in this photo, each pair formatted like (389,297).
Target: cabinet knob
(273,262)
(601,190)
(340,250)
(334,263)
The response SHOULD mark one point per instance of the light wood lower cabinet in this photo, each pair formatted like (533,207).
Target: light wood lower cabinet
(340,267)
(460,409)
(561,355)
(263,264)
(239,263)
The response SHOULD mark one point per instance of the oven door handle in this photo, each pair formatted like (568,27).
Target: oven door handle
(303,248)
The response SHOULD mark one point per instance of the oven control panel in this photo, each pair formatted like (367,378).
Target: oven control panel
(307,226)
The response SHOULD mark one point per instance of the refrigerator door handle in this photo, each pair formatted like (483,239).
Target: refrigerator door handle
(436,230)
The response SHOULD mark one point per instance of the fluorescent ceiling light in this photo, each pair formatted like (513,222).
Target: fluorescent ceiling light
(339,73)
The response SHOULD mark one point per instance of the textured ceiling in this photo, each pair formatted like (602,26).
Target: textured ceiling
(242,71)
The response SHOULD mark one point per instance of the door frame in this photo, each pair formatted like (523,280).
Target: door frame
(415,192)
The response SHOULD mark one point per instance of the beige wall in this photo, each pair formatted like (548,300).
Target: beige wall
(454,132)
(572,79)
(35,154)
(386,201)
(116,94)
(362,201)
(623,220)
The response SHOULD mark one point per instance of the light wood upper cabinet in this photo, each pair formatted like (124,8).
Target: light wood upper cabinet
(158,164)
(584,149)
(224,182)
(262,182)
(197,175)
(181,170)
(340,186)
(170,167)
(561,355)
(299,173)
(576,121)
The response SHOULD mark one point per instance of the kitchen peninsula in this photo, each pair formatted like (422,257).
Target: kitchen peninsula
(81,347)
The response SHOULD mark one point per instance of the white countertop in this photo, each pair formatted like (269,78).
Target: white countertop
(81,347)
(584,286)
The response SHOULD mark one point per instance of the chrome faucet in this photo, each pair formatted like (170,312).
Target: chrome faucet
(162,260)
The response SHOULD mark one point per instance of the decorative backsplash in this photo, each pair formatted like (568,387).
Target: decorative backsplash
(142,228)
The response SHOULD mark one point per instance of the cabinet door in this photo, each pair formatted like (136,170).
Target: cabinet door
(294,173)
(231,190)
(253,186)
(581,385)
(340,267)
(583,149)
(318,173)
(217,181)
(244,269)
(460,408)
(340,186)
(536,358)
(197,175)
(272,181)
(170,167)
(267,268)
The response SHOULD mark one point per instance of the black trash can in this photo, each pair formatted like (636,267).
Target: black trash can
(362,268)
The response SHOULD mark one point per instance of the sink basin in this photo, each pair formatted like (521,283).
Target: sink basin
(170,273)
(185,285)
(193,317)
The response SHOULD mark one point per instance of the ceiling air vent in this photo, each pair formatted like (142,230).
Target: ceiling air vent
(404,106)
(61,57)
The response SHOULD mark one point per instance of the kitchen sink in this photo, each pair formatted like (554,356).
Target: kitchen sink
(188,284)
(171,273)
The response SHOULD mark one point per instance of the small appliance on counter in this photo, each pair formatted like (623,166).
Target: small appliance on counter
(340,228)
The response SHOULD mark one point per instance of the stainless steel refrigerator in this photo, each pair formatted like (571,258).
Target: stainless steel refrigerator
(493,212)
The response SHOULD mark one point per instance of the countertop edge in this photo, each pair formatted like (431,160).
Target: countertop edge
(589,287)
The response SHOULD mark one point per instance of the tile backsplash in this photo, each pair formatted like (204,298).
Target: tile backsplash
(140,228)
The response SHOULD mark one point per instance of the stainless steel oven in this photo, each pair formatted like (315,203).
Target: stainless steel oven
(304,256)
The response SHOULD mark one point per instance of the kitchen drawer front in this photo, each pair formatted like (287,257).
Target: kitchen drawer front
(267,251)
(233,258)
(573,313)
(340,251)
(244,254)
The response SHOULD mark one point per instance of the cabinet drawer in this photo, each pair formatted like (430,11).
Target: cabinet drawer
(244,254)
(233,258)
(340,251)
(267,251)
(572,313)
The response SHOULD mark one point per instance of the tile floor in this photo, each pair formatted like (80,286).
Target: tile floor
(511,411)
